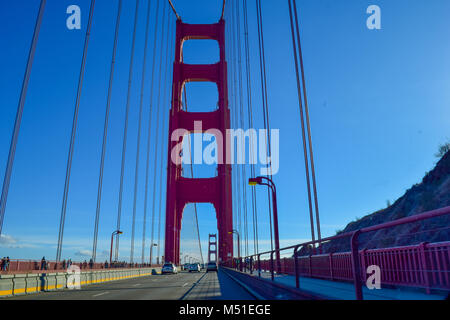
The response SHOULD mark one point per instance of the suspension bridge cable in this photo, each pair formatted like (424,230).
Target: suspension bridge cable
(124,145)
(302,121)
(163,130)
(158,108)
(155,39)
(235,116)
(18,121)
(262,66)
(311,156)
(105,132)
(192,176)
(73,135)
(250,124)
(231,95)
(223,10)
(141,102)
(174,11)
(241,114)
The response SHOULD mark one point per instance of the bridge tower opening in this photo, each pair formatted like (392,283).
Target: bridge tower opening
(212,248)
(181,190)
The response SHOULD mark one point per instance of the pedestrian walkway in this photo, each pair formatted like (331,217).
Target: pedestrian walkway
(346,291)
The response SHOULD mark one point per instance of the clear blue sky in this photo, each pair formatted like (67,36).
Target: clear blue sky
(379,106)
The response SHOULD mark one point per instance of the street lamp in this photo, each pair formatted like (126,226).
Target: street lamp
(117,232)
(238,244)
(238,241)
(151,252)
(263,181)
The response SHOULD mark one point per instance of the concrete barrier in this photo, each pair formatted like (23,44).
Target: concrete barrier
(20,284)
(61,281)
(101,277)
(50,282)
(94,277)
(83,279)
(33,283)
(6,285)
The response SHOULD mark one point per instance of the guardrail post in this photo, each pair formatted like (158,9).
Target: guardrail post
(363,264)
(297,276)
(423,259)
(271,267)
(331,266)
(259,265)
(356,265)
(310,266)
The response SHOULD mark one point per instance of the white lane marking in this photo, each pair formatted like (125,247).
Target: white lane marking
(184,285)
(137,284)
(100,294)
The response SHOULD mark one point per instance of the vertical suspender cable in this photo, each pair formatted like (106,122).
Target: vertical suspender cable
(241,117)
(105,133)
(73,135)
(235,118)
(250,123)
(192,176)
(302,121)
(163,130)
(158,107)
(125,134)
(311,156)
(155,37)
(262,66)
(23,95)
(136,173)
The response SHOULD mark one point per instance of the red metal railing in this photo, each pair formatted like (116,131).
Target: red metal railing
(35,266)
(426,265)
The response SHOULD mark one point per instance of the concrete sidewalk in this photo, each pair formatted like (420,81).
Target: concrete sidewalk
(335,290)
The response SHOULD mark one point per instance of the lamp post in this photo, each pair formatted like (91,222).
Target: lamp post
(112,239)
(151,252)
(263,181)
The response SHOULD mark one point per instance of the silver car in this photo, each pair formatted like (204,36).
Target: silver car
(169,268)
(195,267)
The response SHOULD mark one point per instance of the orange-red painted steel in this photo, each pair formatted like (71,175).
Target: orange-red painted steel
(217,190)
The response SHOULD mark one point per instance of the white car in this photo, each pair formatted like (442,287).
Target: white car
(195,267)
(169,268)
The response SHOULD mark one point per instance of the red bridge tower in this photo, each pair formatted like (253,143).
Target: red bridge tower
(216,190)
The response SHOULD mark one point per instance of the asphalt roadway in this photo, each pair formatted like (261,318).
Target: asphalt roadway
(181,286)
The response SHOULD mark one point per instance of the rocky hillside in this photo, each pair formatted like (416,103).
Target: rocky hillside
(432,193)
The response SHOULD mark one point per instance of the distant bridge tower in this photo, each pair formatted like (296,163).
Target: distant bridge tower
(216,190)
(212,247)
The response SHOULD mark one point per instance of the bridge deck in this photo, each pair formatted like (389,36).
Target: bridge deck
(182,286)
